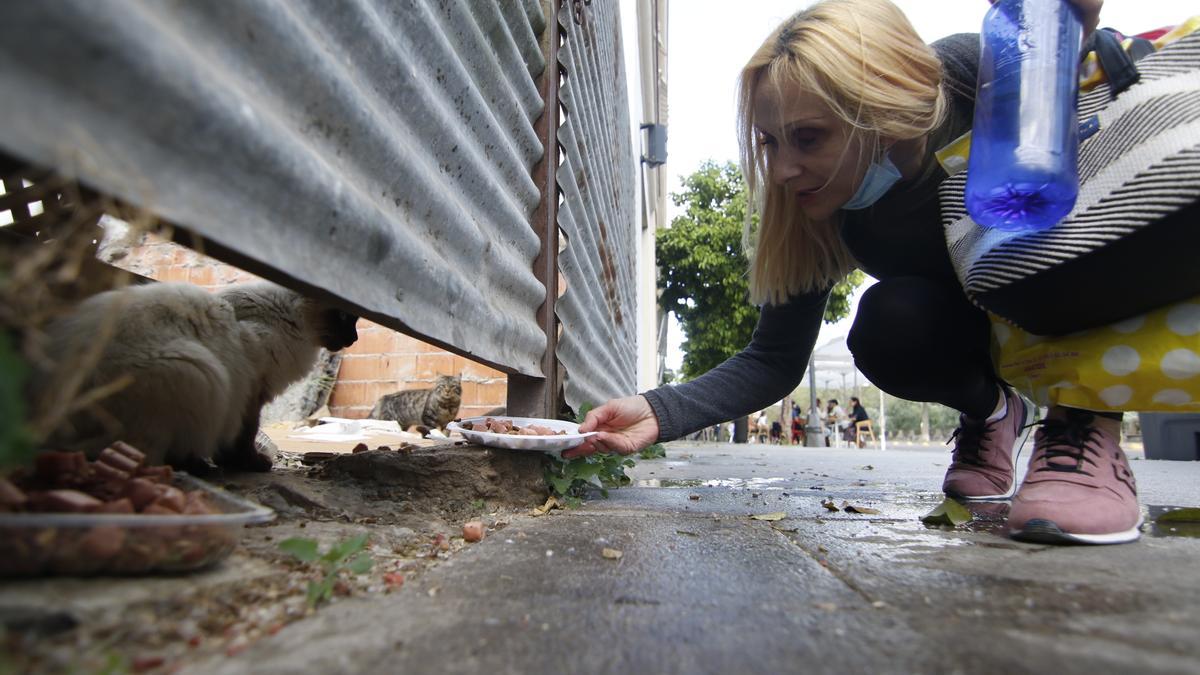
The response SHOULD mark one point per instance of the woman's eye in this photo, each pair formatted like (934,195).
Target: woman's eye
(766,140)
(804,138)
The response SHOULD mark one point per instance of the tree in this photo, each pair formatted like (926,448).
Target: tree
(703,270)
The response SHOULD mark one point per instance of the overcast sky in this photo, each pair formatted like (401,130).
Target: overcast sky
(709,40)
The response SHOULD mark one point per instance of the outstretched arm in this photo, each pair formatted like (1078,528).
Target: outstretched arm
(759,375)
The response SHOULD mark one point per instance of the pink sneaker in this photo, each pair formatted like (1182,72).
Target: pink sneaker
(985,454)
(1078,489)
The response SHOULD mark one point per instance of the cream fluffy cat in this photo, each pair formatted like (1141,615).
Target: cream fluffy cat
(202,366)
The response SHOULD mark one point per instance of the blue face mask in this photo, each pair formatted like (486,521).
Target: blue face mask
(879,178)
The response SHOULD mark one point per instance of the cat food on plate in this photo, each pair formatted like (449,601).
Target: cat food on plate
(506,426)
(67,515)
(520,433)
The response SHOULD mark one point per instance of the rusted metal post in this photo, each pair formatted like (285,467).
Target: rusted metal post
(533,396)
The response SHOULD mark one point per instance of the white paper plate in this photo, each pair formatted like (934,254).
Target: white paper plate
(514,442)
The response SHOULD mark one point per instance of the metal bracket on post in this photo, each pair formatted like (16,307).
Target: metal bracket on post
(656,144)
(539,396)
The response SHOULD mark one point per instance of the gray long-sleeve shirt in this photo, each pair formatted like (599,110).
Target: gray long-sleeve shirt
(901,235)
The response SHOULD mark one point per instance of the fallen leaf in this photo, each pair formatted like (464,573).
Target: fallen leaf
(777,515)
(865,510)
(828,504)
(393,579)
(434,591)
(611,554)
(1188,515)
(551,504)
(694,498)
(868,467)
(949,512)
(690,534)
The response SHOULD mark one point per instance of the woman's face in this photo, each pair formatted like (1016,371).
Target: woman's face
(809,150)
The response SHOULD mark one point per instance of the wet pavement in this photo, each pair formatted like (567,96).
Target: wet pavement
(702,587)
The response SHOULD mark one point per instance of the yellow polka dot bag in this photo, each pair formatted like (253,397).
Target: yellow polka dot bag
(1150,362)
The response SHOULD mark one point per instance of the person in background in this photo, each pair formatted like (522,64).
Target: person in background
(836,419)
(841,111)
(776,432)
(857,414)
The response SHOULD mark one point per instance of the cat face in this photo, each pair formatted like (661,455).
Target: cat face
(449,383)
(336,329)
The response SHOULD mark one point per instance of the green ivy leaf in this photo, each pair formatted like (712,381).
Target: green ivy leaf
(949,512)
(584,409)
(304,550)
(560,485)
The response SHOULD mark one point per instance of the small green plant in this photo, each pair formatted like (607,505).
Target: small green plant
(570,478)
(16,449)
(656,451)
(114,664)
(478,505)
(346,555)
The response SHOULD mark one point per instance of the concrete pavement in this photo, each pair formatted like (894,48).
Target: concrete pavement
(700,587)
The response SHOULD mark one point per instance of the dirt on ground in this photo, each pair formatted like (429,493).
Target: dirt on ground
(411,502)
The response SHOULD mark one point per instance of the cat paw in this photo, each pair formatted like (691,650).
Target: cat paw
(197,466)
(258,459)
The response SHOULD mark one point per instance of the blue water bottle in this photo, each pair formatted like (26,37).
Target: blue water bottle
(1022,172)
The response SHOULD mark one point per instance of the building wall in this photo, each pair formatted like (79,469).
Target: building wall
(381,362)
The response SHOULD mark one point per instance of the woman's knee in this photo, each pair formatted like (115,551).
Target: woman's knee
(889,310)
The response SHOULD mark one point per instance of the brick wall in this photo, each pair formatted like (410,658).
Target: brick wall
(384,361)
(381,362)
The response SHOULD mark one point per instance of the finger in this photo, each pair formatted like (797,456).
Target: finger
(613,443)
(578,451)
(588,447)
(593,419)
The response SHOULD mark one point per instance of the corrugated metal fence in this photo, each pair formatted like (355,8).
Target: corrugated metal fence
(597,347)
(379,151)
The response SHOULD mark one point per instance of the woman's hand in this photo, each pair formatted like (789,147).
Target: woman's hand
(1089,14)
(626,425)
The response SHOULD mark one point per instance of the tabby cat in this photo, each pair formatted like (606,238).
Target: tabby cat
(201,367)
(425,408)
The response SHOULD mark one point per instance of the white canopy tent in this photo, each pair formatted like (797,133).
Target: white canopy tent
(830,364)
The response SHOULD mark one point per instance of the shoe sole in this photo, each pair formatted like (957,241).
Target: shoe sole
(1019,447)
(1041,531)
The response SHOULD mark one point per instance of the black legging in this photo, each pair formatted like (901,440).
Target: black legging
(924,341)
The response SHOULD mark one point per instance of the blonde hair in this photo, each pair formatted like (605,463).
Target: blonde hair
(866,62)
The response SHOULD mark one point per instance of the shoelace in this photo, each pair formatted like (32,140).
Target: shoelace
(1068,438)
(968,439)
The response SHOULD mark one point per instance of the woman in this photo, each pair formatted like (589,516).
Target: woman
(841,111)
(857,414)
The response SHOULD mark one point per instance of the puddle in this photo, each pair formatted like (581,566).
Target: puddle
(1153,528)
(668,483)
(738,483)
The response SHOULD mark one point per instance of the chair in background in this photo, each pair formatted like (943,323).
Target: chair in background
(862,429)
